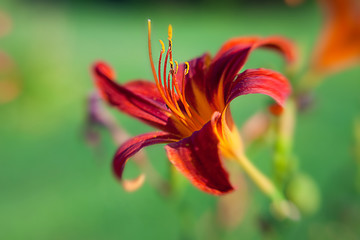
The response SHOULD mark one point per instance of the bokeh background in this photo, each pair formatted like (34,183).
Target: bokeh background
(53,185)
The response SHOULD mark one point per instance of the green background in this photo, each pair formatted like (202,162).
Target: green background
(54,186)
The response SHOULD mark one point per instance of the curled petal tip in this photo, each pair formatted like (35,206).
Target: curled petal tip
(263,81)
(133,184)
(134,145)
(102,68)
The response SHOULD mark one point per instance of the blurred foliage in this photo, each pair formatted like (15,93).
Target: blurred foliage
(162,2)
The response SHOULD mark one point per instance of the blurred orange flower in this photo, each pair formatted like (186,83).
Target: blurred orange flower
(5,24)
(9,82)
(338,46)
(293,3)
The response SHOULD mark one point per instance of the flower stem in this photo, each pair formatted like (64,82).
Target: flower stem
(259,178)
(357,151)
(281,207)
(283,162)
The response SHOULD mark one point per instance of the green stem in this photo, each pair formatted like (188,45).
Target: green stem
(280,206)
(357,151)
(259,178)
(283,163)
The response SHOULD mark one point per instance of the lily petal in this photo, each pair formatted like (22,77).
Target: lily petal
(146,89)
(222,71)
(231,58)
(283,45)
(197,68)
(197,157)
(133,99)
(195,84)
(262,81)
(133,184)
(134,145)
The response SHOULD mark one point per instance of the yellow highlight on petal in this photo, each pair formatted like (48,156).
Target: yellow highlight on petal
(170,32)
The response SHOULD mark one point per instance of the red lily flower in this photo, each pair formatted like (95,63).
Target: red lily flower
(190,105)
(339,45)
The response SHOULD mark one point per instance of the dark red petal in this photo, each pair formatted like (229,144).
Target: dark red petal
(133,145)
(133,98)
(262,81)
(197,157)
(197,68)
(146,89)
(195,81)
(233,55)
(283,45)
(224,68)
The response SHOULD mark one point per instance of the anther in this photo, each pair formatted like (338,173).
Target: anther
(187,67)
(162,46)
(177,66)
(170,32)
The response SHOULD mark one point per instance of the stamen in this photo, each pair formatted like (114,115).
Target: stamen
(166,84)
(186,71)
(183,80)
(159,86)
(172,86)
(150,51)
(173,96)
(159,69)
(181,96)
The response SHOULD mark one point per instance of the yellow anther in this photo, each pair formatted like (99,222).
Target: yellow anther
(171,64)
(149,25)
(162,46)
(187,67)
(177,66)
(170,32)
